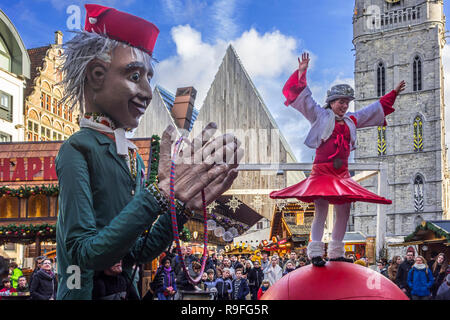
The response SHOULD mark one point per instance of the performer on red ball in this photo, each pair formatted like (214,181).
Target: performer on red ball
(333,135)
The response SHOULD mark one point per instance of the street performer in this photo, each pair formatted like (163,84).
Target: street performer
(104,203)
(333,135)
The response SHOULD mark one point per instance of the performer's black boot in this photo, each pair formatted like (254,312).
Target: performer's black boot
(342,259)
(318,261)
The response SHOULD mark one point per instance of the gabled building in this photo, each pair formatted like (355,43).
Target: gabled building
(45,118)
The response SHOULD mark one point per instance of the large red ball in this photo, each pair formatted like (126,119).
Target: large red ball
(334,281)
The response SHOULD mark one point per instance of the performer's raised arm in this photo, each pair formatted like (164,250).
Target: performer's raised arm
(297,93)
(375,113)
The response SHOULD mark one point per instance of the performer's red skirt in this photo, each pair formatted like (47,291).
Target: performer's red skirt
(329,183)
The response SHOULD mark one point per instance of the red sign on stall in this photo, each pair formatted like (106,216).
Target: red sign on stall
(27,169)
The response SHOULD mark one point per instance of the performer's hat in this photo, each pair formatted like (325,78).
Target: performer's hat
(121,26)
(339,91)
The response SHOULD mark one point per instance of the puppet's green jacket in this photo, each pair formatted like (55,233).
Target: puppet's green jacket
(102,214)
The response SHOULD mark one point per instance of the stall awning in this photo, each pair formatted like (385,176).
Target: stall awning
(354,237)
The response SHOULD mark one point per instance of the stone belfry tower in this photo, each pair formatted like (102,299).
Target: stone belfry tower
(398,40)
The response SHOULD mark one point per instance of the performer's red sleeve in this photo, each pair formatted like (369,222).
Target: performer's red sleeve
(294,86)
(387,101)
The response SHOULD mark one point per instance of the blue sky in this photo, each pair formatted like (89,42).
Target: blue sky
(268,35)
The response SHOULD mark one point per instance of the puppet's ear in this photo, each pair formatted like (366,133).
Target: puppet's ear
(95,73)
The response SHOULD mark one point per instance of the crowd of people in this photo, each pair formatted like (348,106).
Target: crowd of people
(228,277)
(42,283)
(239,277)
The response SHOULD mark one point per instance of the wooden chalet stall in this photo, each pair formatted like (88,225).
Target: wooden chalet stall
(429,237)
(291,222)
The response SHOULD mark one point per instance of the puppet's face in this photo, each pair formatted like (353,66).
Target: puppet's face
(125,92)
(340,106)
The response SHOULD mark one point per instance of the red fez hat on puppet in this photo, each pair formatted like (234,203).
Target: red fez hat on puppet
(121,26)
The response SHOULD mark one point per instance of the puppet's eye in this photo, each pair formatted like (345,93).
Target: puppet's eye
(135,76)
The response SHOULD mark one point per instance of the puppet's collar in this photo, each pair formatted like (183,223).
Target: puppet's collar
(103,123)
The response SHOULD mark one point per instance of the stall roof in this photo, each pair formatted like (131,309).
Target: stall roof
(354,237)
(441,228)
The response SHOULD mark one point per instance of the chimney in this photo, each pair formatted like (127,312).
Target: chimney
(183,106)
(58,37)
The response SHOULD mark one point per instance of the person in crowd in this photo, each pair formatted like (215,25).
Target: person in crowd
(4,268)
(37,267)
(292,258)
(224,285)
(420,279)
(264,286)
(439,268)
(248,265)
(255,278)
(227,264)
(382,268)
(289,268)
(44,285)
(432,260)
(210,282)
(16,272)
(443,292)
(273,273)
(110,284)
(265,262)
(7,289)
(351,257)
(239,287)
(402,273)
(167,287)
(302,262)
(393,268)
(22,286)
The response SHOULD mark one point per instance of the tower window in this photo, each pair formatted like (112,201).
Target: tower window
(418,193)
(417,74)
(381,79)
(418,134)
(381,141)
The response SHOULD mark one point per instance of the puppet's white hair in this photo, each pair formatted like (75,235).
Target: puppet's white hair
(77,53)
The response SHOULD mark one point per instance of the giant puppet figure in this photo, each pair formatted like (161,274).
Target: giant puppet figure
(104,205)
(333,135)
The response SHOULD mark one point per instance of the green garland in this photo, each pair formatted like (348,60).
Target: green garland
(154,152)
(26,191)
(185,235)
(26,234)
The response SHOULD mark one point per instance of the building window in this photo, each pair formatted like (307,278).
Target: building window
(381,80)
(45,133)
(57,136)
(418,193)
(33,131)
(381,141)
(5,57)
(259,225)
(4,137)
(54,105)
(417,74)
(6,106)
(418,134)
(38,206)
(9,207)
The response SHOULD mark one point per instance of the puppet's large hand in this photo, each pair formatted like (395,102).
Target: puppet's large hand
(205,163)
